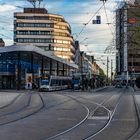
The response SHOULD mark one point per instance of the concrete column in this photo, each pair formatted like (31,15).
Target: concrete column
(18,81)
(57,69)
(63,70)
(50,67)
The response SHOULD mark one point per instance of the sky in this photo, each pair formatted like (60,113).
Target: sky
(94,38)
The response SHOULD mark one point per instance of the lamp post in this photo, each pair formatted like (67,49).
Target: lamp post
(81,55)
(111,71)
(107,71)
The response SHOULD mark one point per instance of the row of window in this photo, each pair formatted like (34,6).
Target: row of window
(60,27)
(10,59)
(134,64)
(63,56)
(41,40)
(61,49)
(52,48)
(43,25)
(34,25)
(41,33)
(40,18)
(61,41)
(134,55)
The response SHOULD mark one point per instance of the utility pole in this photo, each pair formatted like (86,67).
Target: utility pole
(107,71)
(81,57)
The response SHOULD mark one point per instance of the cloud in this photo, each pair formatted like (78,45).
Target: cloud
(8,41)
(5,8)
(76,12)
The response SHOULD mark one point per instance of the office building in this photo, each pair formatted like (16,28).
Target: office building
(127,40)
(35,26)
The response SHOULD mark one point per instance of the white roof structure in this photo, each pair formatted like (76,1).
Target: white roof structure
(50,54)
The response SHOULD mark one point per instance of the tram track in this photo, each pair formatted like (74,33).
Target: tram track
(137,109)
(11,102)
(121,126)
(109,104)
(101,105)
(111,114)
(59,134)
(26,111)
(8,109)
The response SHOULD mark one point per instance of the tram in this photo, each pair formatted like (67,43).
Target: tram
(55,83)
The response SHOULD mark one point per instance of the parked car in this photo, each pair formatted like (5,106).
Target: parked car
(118,85)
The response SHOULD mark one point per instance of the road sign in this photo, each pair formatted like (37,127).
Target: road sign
(97,21)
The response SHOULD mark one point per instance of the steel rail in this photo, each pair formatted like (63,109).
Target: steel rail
(137,109)
(109,120)
(86,108)
(11,102)
(82,121)
(23,117)
(13,112)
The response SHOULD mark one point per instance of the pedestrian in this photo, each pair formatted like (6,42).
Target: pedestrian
(86,84)
(72,83)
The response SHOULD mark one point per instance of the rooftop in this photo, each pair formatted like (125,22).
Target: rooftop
(50,54)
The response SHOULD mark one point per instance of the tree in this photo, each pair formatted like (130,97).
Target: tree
(101,72)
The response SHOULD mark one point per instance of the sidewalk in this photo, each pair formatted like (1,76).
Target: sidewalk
(136,89)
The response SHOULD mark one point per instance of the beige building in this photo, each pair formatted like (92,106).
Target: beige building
(2,43)
(35,26)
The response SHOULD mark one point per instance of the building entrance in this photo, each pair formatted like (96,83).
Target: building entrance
(7,82)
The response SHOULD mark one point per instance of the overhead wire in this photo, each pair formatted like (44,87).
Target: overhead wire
(108,23)
(89,21)
(92,18)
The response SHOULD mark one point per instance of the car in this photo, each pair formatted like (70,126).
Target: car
(77,86)
(118,85)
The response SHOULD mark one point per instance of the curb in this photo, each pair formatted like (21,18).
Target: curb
(100,89)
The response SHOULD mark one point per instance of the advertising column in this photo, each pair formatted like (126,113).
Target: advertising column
(29,80)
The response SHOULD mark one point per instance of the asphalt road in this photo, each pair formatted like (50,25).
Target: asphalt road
(110,114)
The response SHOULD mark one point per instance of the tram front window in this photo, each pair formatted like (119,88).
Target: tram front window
(45,82)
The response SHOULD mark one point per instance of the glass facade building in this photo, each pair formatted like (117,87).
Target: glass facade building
(18,65)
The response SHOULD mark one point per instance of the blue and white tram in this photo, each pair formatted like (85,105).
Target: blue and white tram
(55,83)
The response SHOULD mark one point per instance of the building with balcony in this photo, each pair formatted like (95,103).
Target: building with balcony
(86,64)
(127,39)
(35,26)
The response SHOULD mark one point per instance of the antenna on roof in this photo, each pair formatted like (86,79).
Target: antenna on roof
(34,3)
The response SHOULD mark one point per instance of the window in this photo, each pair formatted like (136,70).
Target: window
(34,25)
(34,40)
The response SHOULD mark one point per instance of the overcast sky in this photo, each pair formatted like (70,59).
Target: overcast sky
(93,39)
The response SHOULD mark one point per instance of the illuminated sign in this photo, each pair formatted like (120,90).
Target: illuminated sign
(132,20)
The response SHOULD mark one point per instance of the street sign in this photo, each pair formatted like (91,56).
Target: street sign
(132,20)
(97,21)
